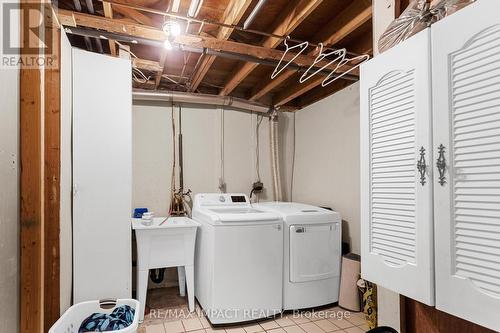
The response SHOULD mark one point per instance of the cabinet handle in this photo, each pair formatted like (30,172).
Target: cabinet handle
(441,165)
(422,166)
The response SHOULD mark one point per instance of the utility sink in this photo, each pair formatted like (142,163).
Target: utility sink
(166,243)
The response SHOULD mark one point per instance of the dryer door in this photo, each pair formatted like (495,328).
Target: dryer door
(314,252)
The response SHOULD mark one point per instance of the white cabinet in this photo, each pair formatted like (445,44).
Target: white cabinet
(396,209)
(456,65)
(466,82)
(102,176)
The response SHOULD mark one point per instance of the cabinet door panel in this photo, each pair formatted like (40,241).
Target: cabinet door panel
(466,114)
(396,205)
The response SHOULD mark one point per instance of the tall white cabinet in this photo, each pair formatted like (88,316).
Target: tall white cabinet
(102,176)
(466,82)
(396,242)
(431,195)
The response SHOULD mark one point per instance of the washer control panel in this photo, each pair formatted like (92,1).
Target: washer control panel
(221,199)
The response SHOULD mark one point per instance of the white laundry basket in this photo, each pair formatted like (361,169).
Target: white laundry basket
(71,320)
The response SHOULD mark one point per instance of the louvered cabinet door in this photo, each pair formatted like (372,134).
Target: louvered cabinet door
(466,115)
(396,208)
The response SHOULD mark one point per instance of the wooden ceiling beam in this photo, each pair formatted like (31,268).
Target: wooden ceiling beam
(108,12)
(135,15)
(292,16)
(350,19)
(297,90)
(148,65)
(232,15)
(122,27)
(163,60)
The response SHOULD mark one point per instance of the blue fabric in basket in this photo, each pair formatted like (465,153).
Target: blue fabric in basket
(120,318)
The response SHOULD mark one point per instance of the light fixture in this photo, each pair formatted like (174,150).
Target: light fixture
(171,28)
(167,44)
(194,7)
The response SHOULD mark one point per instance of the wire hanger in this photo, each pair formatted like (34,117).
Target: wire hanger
(303,46)
(340,56)
(330,79)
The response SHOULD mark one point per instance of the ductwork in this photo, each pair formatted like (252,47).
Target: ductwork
(275,156)
(183,97)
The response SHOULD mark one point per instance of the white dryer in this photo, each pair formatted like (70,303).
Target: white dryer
(312,254)
(238,259)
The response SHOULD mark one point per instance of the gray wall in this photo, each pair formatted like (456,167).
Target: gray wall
(9,200)
(201,127)
(327,158)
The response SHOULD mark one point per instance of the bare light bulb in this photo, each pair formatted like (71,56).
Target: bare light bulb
(171,28)
(167,44)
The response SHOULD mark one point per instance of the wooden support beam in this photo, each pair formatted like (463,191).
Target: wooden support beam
(351,18)
(292,16)
(163,59)
(31,141)
(294,91)
(148,65)
(232,15)
(135,15)
(108,12)
(155,34)
(319,93)
(40,169)
(51,187)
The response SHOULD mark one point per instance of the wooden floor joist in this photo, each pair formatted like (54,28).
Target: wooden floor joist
(116,26)
(351,18)
(108,12)
(232,15)
(296,12)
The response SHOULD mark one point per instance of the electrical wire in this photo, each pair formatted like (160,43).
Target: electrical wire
(172,182)
(257,148)
(222,183)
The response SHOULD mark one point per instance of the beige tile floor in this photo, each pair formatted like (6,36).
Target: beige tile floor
(169,314)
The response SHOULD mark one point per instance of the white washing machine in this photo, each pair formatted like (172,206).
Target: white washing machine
(312,254)
(238,259)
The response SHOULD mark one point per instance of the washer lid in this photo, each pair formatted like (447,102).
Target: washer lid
(296,209)
(241,214)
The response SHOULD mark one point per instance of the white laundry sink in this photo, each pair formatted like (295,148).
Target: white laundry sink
(167,244)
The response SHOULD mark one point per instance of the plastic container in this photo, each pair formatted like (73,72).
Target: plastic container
(71,320)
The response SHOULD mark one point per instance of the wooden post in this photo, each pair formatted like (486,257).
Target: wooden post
(31,107)
(52,167)
(40,165)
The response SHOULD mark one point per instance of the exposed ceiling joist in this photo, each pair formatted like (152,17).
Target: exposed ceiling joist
(115,26)
(148,65)
(351,18)
(135,15)
(108,12)
(295,13)
(159,73)
(299,89)
(232,15)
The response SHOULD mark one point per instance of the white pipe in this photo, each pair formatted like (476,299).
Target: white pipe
(254,13)
(275,157)
(183,97)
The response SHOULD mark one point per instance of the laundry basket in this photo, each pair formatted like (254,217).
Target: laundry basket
(71,320)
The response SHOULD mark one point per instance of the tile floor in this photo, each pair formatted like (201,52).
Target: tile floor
(169,314)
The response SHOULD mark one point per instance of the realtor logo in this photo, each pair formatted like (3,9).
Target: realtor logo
(28,35)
